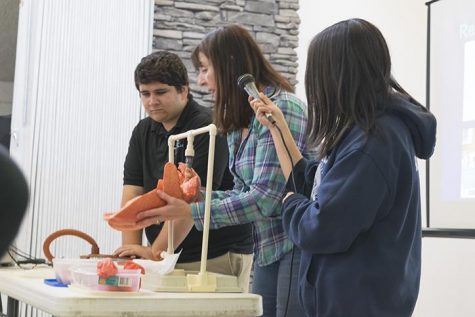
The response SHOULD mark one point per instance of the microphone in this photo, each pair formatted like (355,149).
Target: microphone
(247,83)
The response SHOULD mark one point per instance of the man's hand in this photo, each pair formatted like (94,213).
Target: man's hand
(140,251)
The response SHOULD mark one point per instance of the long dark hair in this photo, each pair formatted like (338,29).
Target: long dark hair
(348,72)
(232,52)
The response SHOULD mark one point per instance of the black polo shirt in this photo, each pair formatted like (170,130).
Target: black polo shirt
(148,153)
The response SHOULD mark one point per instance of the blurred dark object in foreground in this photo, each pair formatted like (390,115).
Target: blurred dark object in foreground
(13,199)
(5,127)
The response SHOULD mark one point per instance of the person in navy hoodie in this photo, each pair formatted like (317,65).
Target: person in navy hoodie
(355,211)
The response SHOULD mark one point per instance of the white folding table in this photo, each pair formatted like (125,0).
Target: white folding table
(28,286)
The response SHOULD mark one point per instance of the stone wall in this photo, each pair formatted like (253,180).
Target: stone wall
(180,25)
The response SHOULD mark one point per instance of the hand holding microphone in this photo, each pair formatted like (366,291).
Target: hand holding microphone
(266,111)
(247,83)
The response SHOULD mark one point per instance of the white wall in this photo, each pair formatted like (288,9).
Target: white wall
(74,107)
(402,22)
(447,277)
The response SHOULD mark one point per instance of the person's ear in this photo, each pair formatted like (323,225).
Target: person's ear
(184,91)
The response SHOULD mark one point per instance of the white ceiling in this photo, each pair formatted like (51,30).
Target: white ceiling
(8,35)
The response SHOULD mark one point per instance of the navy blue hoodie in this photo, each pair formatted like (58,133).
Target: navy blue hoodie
(360,233)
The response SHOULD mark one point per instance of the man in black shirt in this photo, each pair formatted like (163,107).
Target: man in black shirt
(162,82)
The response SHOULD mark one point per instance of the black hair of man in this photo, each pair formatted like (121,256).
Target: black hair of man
(164,67)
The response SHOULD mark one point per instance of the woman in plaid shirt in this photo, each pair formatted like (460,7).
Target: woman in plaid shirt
(259,184)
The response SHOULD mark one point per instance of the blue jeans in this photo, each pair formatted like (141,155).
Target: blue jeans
(272,283)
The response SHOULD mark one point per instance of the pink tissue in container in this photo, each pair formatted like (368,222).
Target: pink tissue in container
(123,281)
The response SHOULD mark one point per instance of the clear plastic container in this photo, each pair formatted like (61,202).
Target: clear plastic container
(123,281)
(62,267)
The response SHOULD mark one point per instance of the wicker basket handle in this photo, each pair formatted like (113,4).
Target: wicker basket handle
(68,232)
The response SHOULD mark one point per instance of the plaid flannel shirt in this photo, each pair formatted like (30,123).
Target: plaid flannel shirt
(259,183)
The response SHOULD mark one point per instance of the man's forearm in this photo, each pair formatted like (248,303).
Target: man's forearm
(132,237)
(129,192)
(181,228)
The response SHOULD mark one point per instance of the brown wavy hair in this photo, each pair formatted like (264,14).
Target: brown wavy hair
(232,52)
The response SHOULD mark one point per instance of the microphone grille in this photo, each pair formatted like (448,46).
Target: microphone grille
(243,80)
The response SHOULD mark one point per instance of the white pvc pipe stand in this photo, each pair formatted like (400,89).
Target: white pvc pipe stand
(203,281)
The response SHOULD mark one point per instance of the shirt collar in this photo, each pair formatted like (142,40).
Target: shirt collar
(158,127)
(271,91)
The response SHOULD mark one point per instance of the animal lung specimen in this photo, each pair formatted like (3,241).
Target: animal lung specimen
(182,183)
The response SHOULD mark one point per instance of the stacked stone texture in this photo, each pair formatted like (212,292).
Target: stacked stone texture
(180,25)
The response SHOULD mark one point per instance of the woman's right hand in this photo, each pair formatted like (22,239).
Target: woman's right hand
(263,106)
